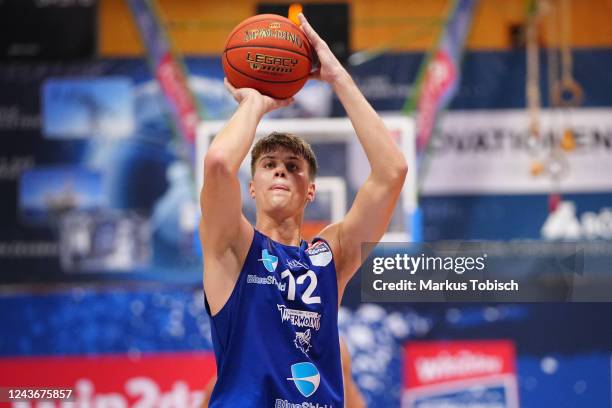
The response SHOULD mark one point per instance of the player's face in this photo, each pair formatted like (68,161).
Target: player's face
(281,183)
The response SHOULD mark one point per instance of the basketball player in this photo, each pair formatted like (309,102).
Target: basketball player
(273,299)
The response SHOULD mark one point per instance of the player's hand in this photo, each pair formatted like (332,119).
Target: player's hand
(265,102)
(330,69)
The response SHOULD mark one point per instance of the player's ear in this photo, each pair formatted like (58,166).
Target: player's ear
(251,190)
(310,195)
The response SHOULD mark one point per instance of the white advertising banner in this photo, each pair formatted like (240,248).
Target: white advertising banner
(487,152)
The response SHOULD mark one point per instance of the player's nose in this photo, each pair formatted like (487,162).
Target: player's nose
(279,171)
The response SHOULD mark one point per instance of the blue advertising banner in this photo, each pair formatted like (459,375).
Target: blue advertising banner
(91,181)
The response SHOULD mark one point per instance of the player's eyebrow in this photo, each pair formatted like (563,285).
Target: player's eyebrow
(271,156)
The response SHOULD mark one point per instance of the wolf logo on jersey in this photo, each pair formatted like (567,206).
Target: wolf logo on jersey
(302,341)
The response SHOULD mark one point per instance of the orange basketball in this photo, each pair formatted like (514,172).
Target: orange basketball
(269,53)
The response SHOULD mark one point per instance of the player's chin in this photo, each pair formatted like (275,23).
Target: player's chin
(278,201)
(281,202)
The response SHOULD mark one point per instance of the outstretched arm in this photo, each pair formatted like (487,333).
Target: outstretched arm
(369,216)
(224,231)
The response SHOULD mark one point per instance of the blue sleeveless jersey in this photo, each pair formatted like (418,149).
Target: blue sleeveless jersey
(276,339)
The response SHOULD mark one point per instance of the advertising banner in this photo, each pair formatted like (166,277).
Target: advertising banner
(486,152)
(169,380)
(460,374)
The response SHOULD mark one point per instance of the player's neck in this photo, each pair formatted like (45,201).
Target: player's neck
(286,231)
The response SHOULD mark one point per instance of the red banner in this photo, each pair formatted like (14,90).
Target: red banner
(447,373)
(164,380)
(436,362)
(174,86)
(440,75)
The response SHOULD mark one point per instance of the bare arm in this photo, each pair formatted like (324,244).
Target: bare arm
(369,216)
(352,395)
(224,231)
(208,391)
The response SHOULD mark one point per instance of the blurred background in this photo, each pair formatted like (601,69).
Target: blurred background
(503,107)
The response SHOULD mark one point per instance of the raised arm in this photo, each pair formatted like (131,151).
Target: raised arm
(224,231)
(369,216)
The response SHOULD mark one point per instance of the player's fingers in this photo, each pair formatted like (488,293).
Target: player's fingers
(302,19)
(312,35)
(286,102)
(316,74)
(229,86)
(278,103)
(233,91)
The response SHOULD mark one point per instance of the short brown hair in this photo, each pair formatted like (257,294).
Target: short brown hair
(288,141)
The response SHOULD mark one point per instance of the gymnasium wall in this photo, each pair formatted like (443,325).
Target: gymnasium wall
(201,27)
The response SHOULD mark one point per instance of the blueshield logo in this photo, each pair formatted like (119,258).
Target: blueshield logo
(305,377)
(270,261)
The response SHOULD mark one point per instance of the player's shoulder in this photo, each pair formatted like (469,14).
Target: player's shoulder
(330,236)
(346,259)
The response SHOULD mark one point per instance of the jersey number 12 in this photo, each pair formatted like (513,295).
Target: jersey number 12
(307,297)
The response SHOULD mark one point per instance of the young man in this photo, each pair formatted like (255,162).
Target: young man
(273,299)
